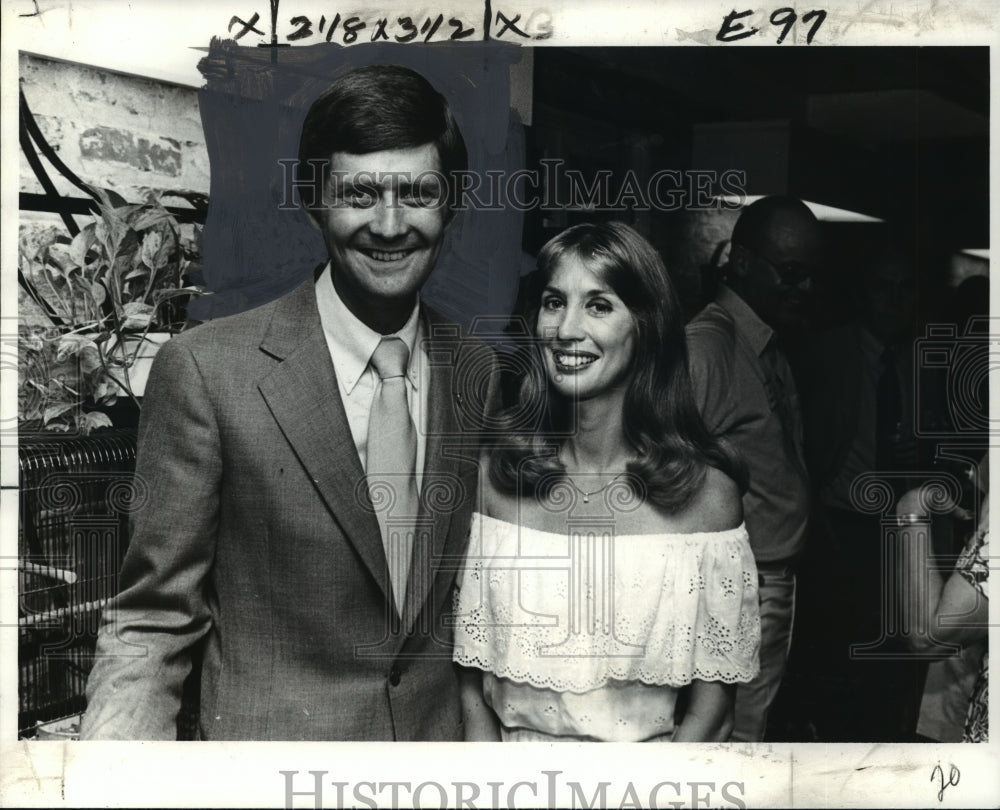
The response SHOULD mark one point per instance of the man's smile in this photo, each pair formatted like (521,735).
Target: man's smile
(387,255)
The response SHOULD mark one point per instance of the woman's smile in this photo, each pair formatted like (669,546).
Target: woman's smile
(572,361)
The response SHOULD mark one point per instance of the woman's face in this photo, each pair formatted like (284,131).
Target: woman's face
(587,332)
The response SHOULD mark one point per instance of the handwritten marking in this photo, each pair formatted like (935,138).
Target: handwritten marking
(429,26)
(954,776)
(784,17)
(820,16)
(379,32)
(509,24)
(303,32)
(247,26)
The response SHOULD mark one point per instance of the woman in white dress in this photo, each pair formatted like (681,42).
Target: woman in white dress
(608,572)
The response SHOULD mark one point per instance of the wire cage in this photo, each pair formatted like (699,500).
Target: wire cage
(76,494)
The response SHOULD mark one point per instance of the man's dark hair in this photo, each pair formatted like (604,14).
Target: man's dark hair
(380,107)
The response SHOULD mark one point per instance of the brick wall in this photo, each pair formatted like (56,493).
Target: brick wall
(120,132)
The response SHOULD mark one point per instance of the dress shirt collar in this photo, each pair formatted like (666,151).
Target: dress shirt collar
(352,342)
(758,334)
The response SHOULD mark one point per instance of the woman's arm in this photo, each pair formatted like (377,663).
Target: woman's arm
(939,610)
(481,724)
(709,716)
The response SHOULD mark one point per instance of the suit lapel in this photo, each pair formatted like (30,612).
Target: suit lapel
(302,395)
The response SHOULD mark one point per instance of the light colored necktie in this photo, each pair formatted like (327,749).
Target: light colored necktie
(392,457)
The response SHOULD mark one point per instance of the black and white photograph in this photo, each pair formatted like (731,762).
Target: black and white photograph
(384,384)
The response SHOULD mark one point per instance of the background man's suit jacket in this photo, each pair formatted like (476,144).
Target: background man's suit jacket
(259,546)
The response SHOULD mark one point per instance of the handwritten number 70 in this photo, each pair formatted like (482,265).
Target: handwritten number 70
(953,777)
(785,18)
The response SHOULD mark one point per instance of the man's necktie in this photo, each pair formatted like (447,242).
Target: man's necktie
(392,456)
(889,413)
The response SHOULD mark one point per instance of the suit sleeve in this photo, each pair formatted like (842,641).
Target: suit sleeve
(148,631)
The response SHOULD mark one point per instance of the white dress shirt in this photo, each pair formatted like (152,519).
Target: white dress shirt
(351,344)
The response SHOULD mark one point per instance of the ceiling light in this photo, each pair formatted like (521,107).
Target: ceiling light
(824,213)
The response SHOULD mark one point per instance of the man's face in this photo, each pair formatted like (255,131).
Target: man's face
(777,274)
(383,224)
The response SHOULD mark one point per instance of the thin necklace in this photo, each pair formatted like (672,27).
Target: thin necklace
(586,495)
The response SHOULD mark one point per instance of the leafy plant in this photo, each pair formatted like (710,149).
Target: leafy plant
(61,382)
(125,273)
(125,270)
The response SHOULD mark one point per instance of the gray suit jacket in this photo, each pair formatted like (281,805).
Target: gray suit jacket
(257,545)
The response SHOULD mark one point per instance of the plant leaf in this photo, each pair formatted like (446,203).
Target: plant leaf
(111,230)
(168,247)
(53,411)
(34,242)
(61,255)
(91,420)
(62,378)
(151,243)
(165,295)
(31,341)
(90,358)
(81,244)
(105,390)
(111,199)
(149,216)
(83,348)
(98,292)
(189,237)
(68,346)
(137,315)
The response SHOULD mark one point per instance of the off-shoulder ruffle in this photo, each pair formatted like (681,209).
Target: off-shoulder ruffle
(535,607)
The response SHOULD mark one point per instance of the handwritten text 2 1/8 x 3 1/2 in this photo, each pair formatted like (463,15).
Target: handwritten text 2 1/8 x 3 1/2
(501,24)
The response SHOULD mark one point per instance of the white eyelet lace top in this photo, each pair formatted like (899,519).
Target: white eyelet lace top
(589,635)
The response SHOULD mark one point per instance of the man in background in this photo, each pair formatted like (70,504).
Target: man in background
(744,389)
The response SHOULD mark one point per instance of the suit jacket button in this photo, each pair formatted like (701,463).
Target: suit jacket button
(394,676)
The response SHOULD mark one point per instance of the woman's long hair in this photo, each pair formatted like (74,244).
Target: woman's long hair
(663,428)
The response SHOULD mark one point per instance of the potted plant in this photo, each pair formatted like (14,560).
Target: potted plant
(115,292)
(62,384)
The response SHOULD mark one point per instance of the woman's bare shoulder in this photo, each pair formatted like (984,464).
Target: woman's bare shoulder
(717,506)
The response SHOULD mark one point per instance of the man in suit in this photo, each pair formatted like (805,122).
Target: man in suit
(309,468)
(744,389)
